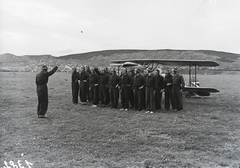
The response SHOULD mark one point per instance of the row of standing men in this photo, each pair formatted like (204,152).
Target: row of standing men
(137,89)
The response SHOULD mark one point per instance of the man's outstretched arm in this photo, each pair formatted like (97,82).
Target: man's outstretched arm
(52,71)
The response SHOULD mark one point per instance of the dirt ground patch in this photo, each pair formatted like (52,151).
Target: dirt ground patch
(205,134)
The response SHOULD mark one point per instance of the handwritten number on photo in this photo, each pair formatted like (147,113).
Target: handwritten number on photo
(28,164)
(6,165)
(12,165)
(20,165)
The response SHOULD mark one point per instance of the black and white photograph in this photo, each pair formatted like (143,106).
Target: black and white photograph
(119,84)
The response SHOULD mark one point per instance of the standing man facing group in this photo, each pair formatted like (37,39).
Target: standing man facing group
(42,90)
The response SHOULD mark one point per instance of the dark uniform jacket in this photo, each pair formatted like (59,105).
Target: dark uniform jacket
(42,77)
(104,78)
(83,77)
(138,81)
(178,80)
(150,81)
(114,80)
(159,82)
(75,76)
(94,79)
(168,79)
(126,80)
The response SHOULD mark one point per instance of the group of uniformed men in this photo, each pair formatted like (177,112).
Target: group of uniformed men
(137,89)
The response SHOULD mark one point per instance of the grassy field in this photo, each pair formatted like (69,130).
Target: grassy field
(205,134)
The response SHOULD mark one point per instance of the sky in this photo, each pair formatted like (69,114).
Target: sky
(61,27)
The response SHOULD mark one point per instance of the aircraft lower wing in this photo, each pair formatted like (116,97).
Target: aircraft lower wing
(201,91)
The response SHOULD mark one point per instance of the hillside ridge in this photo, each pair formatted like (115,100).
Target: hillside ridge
(11,62)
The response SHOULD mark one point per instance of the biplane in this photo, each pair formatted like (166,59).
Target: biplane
(193,87)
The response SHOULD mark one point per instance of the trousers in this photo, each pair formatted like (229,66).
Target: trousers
(42,93)
(177,97)
(75,90)
(149,98)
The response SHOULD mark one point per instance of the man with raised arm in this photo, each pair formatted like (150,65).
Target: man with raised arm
(42,90)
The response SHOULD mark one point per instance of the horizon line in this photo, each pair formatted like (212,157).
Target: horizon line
(120,50)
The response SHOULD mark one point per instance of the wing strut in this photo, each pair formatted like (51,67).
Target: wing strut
(195,75)
(190,76)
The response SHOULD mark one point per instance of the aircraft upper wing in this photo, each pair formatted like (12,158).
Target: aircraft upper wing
(129,64)
(171,62)
(115,64)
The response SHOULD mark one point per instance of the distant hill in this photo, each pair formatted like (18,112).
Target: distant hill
(105,53)
(227,61)
(10,62)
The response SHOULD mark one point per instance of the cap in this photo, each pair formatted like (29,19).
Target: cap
(175,69)
(44,67)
